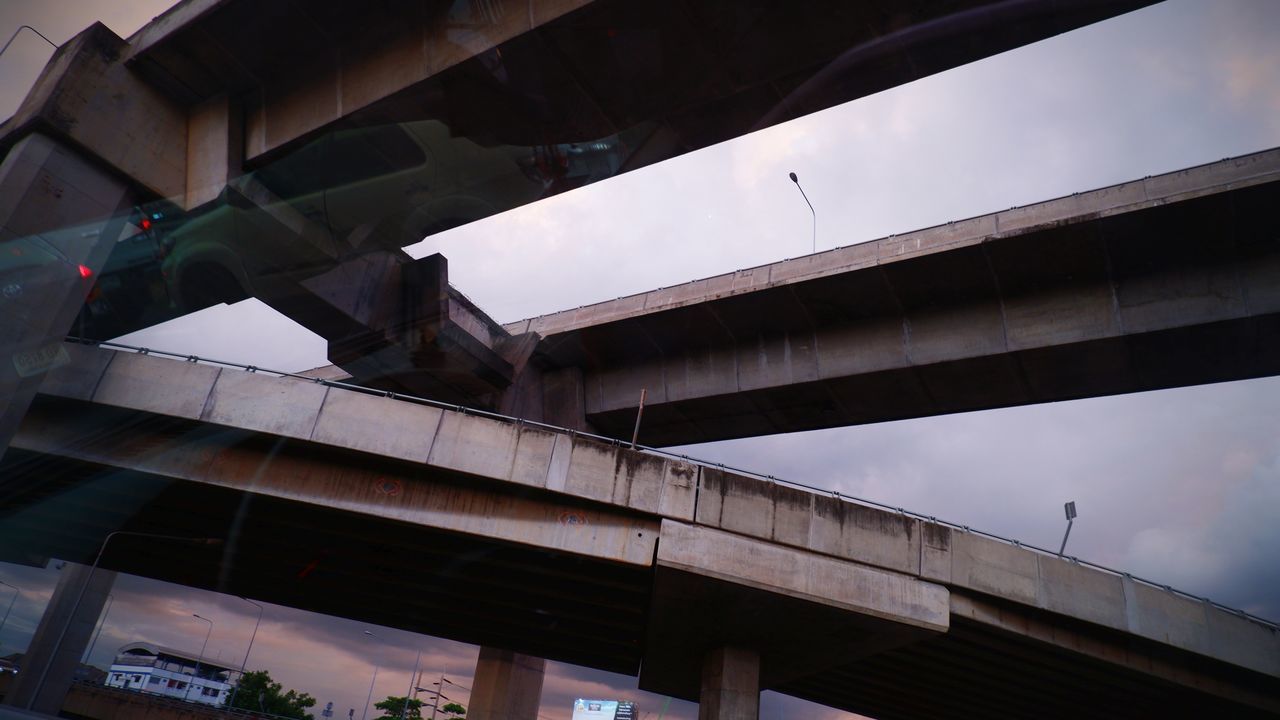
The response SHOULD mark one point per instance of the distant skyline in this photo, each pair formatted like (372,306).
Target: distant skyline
(1181,486)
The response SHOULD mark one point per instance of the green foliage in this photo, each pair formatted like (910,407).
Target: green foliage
(392,706)
(256,691)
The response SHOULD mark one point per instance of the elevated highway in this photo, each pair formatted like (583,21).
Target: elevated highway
(575,548)
(311,142)
(1159,282)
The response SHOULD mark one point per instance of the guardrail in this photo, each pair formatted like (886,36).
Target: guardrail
(665,453)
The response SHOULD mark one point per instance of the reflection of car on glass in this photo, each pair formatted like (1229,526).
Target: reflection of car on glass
(32,274)
(376,187)
(130,292)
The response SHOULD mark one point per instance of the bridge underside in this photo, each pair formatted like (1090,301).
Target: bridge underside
(997,657)
(973,671)
(297,554)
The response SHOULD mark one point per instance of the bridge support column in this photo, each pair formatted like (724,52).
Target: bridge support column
(57,211)
(51,659)
(507,686)
(730,685)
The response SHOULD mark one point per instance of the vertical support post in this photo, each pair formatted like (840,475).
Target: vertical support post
(635,434)
(58,210)
(507,686)
(730,685)
(58,670)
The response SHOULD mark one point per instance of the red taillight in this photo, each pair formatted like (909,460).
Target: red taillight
(85,272)
(146,223)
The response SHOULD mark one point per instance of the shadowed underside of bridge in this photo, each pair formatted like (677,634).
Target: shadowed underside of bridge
(304,555)
(627,567)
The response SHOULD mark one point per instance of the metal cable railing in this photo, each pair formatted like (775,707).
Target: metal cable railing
(666,453)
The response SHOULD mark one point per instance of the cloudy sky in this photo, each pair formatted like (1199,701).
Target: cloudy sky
(1181,486)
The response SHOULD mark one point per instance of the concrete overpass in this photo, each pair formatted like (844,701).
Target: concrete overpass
(709,584)
(202,105)
(1159,282)
(433,115)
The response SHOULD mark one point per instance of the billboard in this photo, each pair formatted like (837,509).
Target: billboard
(584,709)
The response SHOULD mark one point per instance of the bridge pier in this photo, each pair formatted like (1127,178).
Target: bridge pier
(57,211)
(507,686)
(53,655)
(730,684)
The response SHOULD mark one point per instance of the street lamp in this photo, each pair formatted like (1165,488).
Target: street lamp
(1070,509)
(245,663)
(101,624)
(796,180)
(75,607)
(187,695)
(365,713)
(15,35)
(16,593)
(413,682)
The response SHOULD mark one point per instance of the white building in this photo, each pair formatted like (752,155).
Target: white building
(163,671)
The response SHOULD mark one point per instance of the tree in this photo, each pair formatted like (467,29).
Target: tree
(393,706)
(455,710)
(255,691)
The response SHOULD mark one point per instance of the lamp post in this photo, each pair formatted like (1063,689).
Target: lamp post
(413,682)
(75,607)
(187,695)
(245,663)
(796,180)
(12,600)
(365,713)
(1070,509)
(101,624)
(15,35)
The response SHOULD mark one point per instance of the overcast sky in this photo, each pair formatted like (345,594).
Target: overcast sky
(1181,486)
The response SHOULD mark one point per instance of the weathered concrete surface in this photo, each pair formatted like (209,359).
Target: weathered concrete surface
(1156,283)
(507,686)
(86,96)
(730,685)
(814,578)
(308,411)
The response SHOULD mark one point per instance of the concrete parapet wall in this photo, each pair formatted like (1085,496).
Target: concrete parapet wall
(802,575)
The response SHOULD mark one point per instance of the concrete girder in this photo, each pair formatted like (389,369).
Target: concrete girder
(1157,283)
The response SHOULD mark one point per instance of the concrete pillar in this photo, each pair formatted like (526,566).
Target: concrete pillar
(507,686)
(55,661)
(215,146)
(58,210)
(730,685)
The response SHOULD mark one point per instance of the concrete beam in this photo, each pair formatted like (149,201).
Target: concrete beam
(1075,297)
(802,613)
(1199,181)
